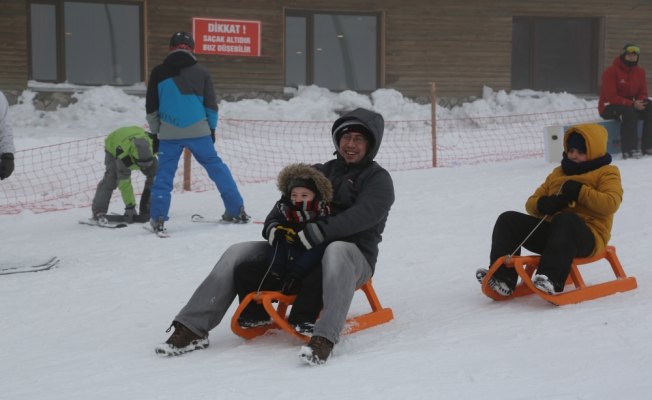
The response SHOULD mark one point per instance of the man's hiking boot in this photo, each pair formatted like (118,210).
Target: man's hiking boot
(241,218)
(317,351)
(182,340)
(498,286)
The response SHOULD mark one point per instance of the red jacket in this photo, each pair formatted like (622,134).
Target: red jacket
(621,85)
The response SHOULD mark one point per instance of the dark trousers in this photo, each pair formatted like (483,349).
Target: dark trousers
(306,307)
(565,237)
(629,117)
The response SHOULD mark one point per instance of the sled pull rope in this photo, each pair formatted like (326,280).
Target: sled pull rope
(509,257)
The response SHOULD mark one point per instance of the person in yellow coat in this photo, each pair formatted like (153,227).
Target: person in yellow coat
(578,201)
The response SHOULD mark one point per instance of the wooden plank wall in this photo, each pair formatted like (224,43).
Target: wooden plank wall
(13,47)
(460,45)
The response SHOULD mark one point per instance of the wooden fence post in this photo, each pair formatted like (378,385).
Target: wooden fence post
(186,169)
(433,122)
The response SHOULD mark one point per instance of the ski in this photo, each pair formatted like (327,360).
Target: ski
(19,269)
(141,218)
(110,225)
(201,218)
(161,234)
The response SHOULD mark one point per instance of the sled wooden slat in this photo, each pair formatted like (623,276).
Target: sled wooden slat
(276,305)
(525,266)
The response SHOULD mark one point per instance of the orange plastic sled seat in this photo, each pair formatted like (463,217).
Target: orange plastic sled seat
(526,265)
(276,305)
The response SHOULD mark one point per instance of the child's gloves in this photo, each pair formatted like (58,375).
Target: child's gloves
(571,190)
(550,205)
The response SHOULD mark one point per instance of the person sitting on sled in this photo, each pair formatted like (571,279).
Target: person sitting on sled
(126,149)
(306,194)
(578,201)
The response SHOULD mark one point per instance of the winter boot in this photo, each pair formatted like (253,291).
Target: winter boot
(241,218)
(158,226)
(317,351)
(498,286)
(182,340)
(100,217)
(542,283)
(253,323)
(304,328)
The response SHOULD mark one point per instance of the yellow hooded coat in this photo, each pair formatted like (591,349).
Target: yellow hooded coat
(601,193)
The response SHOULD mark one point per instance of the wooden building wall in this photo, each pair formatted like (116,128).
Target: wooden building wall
(460,45)
(13,46)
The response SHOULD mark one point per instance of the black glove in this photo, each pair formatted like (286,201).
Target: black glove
(570,190)
(213,135)
(155,142)
(550,205)
(130,213)
(291,285)
(310,236)
(6,165)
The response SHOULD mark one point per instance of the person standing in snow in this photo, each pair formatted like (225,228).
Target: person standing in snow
(182,111)
(126,149)
(623,97)
(6,140)
(363,193)
(578,200)
(306,194)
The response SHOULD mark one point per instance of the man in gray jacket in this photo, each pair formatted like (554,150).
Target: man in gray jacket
(363,193)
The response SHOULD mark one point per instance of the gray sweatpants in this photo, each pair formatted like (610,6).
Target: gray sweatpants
(344,269)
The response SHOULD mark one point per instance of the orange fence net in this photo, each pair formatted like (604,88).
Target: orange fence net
(65,175)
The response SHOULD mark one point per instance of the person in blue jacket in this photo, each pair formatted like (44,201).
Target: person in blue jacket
(182,111)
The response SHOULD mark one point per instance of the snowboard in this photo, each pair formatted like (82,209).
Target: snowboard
(109,225)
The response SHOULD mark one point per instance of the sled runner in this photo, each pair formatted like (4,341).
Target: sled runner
(526,265)
(377,316)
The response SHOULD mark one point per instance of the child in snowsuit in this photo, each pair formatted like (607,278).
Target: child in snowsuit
(578,200)
(126,149)
(306,194)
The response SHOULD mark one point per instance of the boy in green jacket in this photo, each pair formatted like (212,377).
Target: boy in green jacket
(126,149)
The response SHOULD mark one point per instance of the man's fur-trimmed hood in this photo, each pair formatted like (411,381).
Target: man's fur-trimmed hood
(305,172)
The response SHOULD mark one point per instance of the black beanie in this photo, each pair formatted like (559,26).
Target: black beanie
(576,141)
(301,182)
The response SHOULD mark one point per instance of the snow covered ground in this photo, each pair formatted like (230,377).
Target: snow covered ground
(87,329)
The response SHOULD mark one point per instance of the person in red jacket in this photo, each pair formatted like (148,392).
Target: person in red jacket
(623,96)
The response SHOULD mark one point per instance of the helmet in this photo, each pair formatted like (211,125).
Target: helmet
(182,39)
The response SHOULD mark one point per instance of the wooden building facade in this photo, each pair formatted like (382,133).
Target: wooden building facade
(362,45)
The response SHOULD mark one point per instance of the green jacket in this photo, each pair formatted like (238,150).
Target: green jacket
(120,144)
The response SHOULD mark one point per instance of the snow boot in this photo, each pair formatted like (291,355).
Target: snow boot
(317,351)
(543,283)
(498,286)
(182,340)
(241,218)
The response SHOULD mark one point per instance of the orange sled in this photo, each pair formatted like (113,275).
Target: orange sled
(377,316)
(526,265)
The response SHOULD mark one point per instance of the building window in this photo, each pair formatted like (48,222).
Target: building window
(334,51)
(555,54)
(86,43)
